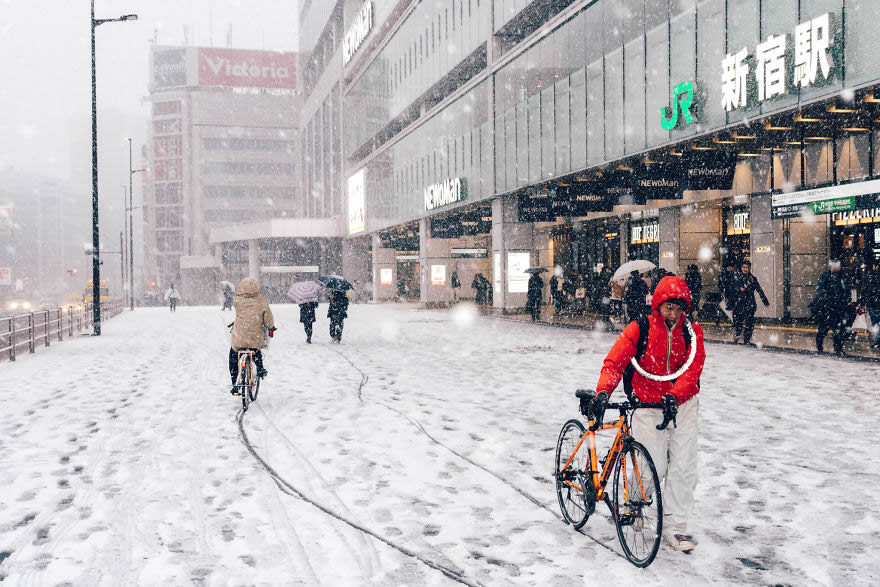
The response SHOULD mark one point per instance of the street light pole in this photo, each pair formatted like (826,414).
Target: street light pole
(131,173)
(125,232)
(96,242)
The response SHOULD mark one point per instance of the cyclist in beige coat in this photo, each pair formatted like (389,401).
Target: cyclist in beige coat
(252,314)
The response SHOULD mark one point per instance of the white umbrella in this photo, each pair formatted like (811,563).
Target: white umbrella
(227,285)
(640,265)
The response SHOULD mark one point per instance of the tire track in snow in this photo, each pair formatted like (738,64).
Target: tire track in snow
(287,488)
(415,423)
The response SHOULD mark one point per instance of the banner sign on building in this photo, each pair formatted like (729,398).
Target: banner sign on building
(356,216)
(5,276)
(468,253)
(438,274)
(657,181)
(385,276)
(536,207)
(620,188)
(357,32)
(588,196)
(683,101)
(827,200)
(809,55)
(648,232)
(454,225)
(169,68)
(445,193)
(241,68)
(517,278)
(708,170)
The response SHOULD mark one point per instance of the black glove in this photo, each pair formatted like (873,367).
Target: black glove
(670,410)
(597,409)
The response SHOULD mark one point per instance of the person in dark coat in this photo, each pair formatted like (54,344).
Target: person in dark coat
(228,297)
(745,307)
(695,284)
(479,285)
(871,300)
(337,312)
(533,296)
(829,307)
(455,283)
(307,317)
(556,293)
(636,296)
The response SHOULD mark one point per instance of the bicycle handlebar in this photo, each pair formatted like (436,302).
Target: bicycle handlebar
(669,405)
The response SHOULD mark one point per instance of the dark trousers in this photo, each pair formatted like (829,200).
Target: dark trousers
(536,311)
(336,328)
(173,304)
(838,326)
(744,323)
(233,362)
(308,328)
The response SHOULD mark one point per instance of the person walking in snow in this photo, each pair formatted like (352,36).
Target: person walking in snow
(533,296)
(829,307)
(744,309)
(871,300)
(695,284)
(667,337)
(172,296)
(636,293)
(228,297)
(337,312)
(252,315)
(307,317)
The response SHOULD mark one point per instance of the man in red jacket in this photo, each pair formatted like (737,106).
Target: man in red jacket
(667,351)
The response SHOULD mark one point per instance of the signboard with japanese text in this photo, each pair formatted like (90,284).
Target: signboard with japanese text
(827,200)
(356,219)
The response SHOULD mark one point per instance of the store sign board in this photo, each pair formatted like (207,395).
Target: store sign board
(620,188)
(385,277)
(356,202)
(536,207)
(658,182)
(357,32)
(445,193)
(169,68)
(5,276)
(810,56)
(438,274)
(708,170)
(586,197)
(856,216)
(241,68)
(740,221)
(682,101)
(468,253)
(517,278)
(645,233)
(859,195)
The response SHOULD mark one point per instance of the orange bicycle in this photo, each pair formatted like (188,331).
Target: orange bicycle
(635,503)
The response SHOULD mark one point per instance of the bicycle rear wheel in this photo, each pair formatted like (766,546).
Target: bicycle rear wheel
(246,376)
(574,488)
(637,505)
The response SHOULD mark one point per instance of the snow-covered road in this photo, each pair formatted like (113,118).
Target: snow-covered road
(417,452)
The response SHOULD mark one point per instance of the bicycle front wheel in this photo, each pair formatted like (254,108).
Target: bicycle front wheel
(637,505)
(574,486)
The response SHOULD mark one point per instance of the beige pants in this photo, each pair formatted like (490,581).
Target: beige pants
(674,452)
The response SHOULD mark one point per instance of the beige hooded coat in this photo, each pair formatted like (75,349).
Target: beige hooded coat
(251,314)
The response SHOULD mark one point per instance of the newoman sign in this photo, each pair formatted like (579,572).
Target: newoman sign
(357,32)
(444,193)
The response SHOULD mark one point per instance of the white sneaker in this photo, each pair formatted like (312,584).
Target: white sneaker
(679,542)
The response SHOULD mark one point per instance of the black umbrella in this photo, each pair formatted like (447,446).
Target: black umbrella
(535,270)
(336,282)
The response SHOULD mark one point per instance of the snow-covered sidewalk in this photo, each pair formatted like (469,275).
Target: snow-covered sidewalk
(419,451)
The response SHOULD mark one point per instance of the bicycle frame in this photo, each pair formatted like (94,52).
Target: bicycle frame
(600,478)
(246,367)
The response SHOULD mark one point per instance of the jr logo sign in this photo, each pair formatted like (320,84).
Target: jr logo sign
(682,99)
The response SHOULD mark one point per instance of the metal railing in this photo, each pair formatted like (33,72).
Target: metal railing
(22,332)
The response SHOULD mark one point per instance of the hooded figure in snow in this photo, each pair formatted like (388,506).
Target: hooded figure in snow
(252,314)
(667,348)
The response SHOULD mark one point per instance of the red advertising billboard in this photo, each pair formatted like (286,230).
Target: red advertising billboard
(247,69)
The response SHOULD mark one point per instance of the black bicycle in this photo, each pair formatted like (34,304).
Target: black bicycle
(248,383)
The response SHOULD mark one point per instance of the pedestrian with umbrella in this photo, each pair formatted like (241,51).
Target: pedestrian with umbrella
(306,294)
(338,310)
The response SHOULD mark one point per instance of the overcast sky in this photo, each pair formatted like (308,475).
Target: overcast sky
(45,90)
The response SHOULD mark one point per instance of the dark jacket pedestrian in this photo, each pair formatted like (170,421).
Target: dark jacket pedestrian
(337,312)
(871,300)
(695,283)
(636,296)
(480,284)
(307,317)
(534,295)
(829,307)
(557,294)
(228,297)
(746,285)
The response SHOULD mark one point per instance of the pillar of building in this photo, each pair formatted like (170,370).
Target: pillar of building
(766,255)
(435,267)
(384,263)
(700,243)
(356,263)
(512,243)
(254,259)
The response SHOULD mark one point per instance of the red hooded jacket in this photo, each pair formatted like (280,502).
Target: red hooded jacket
(665,352)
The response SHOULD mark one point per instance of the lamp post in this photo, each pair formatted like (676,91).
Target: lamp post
(96,256)
(121,246)
(131,173)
